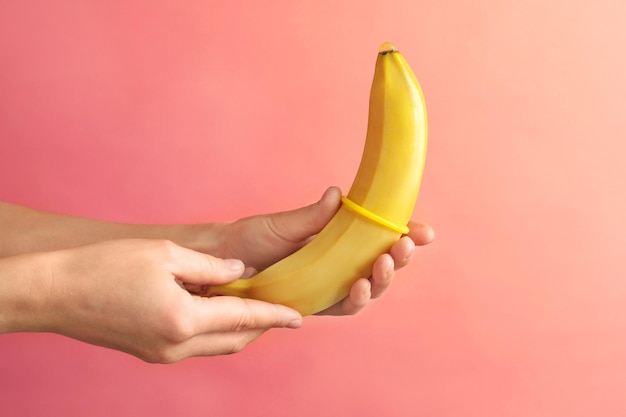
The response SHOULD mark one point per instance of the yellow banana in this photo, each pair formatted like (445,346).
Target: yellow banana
(376,210)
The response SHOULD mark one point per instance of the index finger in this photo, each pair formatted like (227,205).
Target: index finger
(420,233)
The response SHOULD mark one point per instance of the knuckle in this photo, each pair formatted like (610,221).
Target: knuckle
(166,248)
(245,318)
(244,321)
(209,263)
(162,356)
(157,352)
(180,331)
(176,327)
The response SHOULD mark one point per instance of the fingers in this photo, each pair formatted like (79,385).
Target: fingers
(221,325)
(383,271)
(402,252)
(198,268)
(300,224)
(217,344)
(382,274)
(364,290)
(233,314)
(360,295)
(421,233)
(205,344)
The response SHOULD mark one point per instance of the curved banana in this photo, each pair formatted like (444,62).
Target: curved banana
(375,212)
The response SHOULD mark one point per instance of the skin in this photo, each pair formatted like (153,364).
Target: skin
(130,287)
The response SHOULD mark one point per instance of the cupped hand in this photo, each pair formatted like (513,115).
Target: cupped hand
(128,295)
(262,240)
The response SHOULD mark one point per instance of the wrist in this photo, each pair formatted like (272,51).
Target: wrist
(205,238)
(25,290)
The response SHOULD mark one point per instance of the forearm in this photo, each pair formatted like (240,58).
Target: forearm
(23,230)
(24,284)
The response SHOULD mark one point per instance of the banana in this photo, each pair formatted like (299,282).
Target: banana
(373,215)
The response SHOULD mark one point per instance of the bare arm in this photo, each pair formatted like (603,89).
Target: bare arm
(258,241)
(24,230)
(125,295)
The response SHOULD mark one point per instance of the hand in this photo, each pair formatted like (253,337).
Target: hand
(383,271)
(260,241)
(128,295)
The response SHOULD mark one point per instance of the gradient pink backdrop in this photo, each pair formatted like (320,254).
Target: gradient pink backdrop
(154,111)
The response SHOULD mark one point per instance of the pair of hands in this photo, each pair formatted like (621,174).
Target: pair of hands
(131,295)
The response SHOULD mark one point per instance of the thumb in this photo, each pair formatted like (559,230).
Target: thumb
(198,268)
(300,224)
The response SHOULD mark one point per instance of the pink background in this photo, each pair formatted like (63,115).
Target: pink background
(154,111)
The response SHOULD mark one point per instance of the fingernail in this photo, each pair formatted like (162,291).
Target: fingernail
(249,272)
(294,324)
(331,194)
(235,265)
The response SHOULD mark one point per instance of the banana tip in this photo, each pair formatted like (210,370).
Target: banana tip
(387,47)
